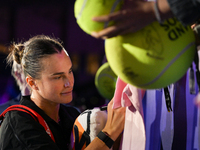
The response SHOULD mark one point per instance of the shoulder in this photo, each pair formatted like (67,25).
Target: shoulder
(7,128)
(12,126)
(16,119)
(19,130)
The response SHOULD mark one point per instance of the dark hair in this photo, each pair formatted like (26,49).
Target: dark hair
(30,53)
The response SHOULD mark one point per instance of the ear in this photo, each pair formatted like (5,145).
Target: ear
(31,82)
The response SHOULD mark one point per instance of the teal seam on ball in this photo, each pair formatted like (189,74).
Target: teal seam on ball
(82,8)
(112,10)
(170,63)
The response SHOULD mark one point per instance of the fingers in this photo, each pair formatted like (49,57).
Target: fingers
(133,16)
(106,33)
(111,17)
(129,30)
(120,27)
(128,26)
(121,22)
(111,31)
(110,104)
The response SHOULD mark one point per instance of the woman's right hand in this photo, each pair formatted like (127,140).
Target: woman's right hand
(115,121)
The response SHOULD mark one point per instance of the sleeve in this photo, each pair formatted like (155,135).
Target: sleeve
(186,11)
(20,131)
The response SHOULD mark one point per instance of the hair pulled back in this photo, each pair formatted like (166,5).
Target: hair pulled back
(30,53)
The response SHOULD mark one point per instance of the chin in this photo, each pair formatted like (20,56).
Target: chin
(66,99)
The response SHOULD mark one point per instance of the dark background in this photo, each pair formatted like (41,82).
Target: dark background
(22,19)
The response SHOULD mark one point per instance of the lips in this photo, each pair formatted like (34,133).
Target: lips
(66,93)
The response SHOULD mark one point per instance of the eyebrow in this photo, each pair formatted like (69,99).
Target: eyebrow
(57,73)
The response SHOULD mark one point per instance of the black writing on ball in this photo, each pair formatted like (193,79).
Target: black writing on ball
(129,73)
(174,29)
(152,42)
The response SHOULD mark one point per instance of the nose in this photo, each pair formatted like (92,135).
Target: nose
(67,84)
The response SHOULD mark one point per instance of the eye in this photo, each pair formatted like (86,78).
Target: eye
(58,77)
(71,71)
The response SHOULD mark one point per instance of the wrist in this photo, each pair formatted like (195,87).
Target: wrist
(113,135)
(104,136)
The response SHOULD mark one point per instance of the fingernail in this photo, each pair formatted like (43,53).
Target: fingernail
(94,34)
(104,37)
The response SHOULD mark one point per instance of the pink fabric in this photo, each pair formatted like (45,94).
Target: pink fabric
(197,100)
(120,85)
(126,95)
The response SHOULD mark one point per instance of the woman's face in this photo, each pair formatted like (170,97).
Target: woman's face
(57,80)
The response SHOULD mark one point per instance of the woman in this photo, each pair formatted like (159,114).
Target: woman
(48,70)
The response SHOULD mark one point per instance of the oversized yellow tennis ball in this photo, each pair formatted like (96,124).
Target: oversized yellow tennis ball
(105,80)
(85,10)
(153,57)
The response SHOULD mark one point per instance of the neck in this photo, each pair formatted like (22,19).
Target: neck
(50,108)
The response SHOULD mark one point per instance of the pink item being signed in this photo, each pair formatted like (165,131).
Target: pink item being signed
(129,96)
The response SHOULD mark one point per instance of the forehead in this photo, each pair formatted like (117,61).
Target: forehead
(59,62)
